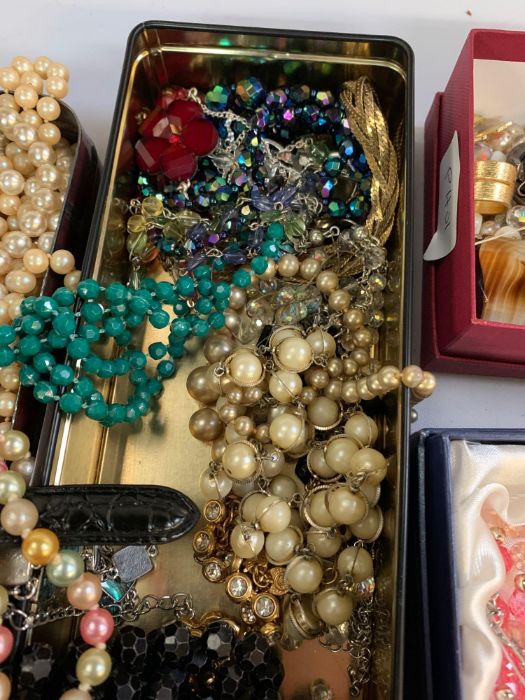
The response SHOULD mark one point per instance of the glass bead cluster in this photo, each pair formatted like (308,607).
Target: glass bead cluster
(51,326)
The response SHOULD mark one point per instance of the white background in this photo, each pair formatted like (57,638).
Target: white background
(90,36)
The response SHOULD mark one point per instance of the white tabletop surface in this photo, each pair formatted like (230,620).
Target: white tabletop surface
(90,36)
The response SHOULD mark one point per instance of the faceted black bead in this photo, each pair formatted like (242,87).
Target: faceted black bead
(35,667)
(177,639)
(131,647)
(219,639)
(166,686)
(231,683)
(199,658)
(124,684)
(250,651)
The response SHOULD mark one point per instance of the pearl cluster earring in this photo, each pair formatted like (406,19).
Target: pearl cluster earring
(35,169)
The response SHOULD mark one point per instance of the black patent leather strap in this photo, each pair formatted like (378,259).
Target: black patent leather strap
(112,514)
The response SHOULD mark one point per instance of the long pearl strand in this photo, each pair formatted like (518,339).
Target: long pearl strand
(64,568)
(35,169)
(296,394)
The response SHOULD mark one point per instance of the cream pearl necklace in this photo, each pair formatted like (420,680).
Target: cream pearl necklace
(294,556)
(35,169)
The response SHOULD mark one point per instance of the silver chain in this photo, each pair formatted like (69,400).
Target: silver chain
(360,646)
(133,607)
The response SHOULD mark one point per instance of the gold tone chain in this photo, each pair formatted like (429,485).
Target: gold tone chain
(370,128)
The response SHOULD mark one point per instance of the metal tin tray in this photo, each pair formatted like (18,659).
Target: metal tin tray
(160,449)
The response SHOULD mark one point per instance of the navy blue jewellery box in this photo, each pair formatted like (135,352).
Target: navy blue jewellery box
(433,633)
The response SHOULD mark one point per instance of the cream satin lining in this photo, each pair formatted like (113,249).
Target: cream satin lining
(492,475)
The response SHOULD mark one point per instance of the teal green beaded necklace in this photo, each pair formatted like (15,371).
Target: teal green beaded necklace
(50,326)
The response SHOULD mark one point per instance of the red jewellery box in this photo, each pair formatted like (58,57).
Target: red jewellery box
(455,338)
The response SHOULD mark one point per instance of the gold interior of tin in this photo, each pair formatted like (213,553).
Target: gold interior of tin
(159,449)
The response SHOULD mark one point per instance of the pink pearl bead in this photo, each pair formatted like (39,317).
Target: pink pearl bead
(96,627)
(3,466)
(6,643)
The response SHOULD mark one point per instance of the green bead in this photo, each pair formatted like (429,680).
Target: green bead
(44,392)
(56,341)
(138,376)
(70,402)
(91,312)
(120,366)
(181,308)
(139,305)
(97,410)
(241,278)
(176,350)
(117,413)
(78,348)
(154,387)
(275,232)
(157,350)
(29,345)
(159,319)
(201,272)
(7,357)
(65,323)
(131,413)
(12,486)
(185,286)
(180,328)
(134,320)
(204,305)
(117,292)
(106,371)
(62,375)
(114,326)
(64,297)
(270,249)
(205,286)
(200,328)
(90,332)
(124,339)
(218,264)
(216,320)
(222,304)
(88,289)
(166,292)
(136,359)
(221,291)
(84,387)
(149,284)
(166,369)
(7,335)
(118,310)
(27,305)
(142,393)
(44,362)
(45,307)
(67,567)
(92,364)
(259,265)
(140,406)
(28,375)
(32,324)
